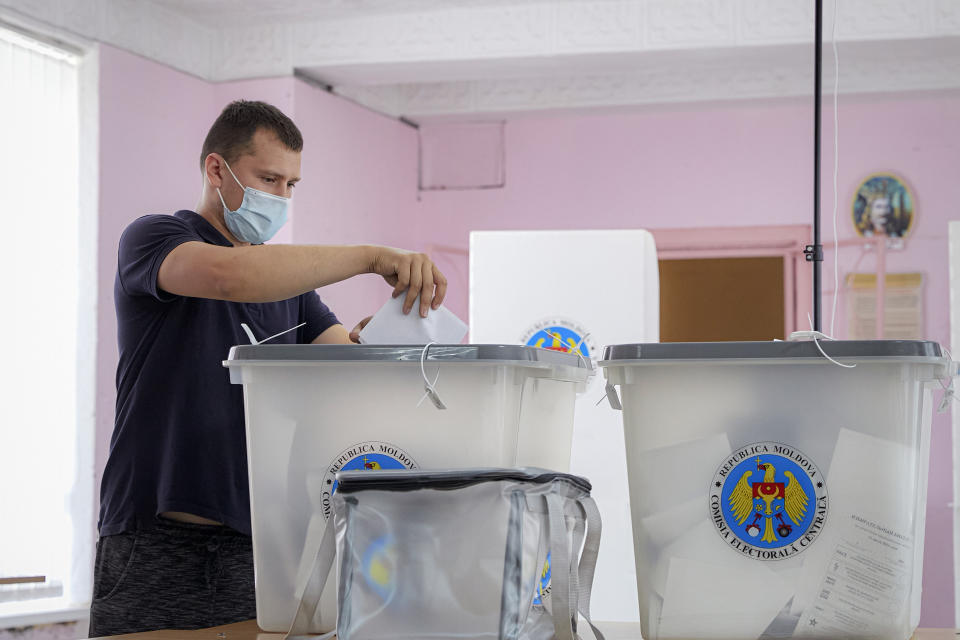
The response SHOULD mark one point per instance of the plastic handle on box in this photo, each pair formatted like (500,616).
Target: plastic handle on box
(949,393)
(610,395)
(951,370)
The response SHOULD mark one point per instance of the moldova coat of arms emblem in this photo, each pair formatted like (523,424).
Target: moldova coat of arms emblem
(768,501)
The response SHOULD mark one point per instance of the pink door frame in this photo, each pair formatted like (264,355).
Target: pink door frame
(785,242)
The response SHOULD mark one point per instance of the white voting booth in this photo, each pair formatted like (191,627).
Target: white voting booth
(564,289)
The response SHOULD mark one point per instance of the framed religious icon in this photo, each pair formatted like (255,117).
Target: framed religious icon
(883,205)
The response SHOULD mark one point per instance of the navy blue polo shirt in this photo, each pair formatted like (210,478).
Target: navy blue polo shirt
(179,442)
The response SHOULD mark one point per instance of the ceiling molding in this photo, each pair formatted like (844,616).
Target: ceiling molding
(562,27)
(426,57)
(763,75)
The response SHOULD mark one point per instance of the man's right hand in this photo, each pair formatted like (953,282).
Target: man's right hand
(412,273)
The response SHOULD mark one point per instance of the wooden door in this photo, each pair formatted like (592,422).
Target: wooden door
(733,283)
(717,299)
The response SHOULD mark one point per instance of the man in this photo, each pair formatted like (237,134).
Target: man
(174,548)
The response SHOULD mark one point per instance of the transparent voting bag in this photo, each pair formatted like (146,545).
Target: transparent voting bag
(469,554)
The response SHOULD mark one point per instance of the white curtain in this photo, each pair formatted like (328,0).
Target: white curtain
(39,287)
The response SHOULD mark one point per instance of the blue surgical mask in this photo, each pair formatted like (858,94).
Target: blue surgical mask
(259,217)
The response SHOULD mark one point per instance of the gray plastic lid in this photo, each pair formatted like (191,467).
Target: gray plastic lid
(853,349)
(458,354)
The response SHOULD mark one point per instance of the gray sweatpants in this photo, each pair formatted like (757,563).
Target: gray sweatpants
(172,576)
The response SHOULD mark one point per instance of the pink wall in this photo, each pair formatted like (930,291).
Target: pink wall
(736,165)
(359,187)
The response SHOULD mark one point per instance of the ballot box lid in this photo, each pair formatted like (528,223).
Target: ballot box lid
(775,349)
(435,354)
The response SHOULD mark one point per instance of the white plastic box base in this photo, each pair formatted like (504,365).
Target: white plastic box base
(307,420)
(862,433)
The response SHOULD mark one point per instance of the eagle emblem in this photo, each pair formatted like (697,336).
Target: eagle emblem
(558,334)
(778,505)
(371,455)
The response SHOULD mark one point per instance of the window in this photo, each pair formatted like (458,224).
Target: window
(46,424)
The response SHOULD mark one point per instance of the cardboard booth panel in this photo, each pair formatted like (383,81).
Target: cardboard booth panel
(576,290)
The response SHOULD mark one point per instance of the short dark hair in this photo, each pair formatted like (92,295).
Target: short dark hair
(232,132)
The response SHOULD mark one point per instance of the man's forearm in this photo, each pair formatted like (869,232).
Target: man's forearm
(267,273)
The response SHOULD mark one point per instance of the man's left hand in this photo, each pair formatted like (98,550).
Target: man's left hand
(355,334)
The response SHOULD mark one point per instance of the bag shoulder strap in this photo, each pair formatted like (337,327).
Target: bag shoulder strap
(561,606)
(320,552)
(571,592)
(588,560)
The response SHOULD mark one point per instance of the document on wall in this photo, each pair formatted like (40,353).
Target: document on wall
(863,592)
(903,306)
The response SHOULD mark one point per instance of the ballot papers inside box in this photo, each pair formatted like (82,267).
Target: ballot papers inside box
(775,494)
(315,410)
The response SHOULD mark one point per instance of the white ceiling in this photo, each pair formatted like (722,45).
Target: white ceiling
(477,58)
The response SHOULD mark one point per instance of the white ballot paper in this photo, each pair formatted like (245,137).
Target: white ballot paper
(391,326)
(664,527)
(713,601)
(865,588)
(702,544)
(857,575)
(689,466)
